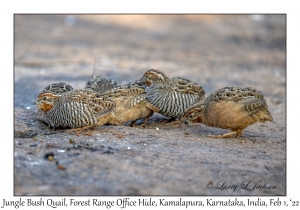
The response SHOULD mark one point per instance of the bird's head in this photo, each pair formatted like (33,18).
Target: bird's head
(46,101)
(194,114)
(154,76)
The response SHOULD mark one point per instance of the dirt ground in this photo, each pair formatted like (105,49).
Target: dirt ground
(213,50)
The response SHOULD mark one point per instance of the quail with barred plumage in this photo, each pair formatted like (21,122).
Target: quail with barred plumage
(58,89)
(172,96)
(230,108)
(74,108)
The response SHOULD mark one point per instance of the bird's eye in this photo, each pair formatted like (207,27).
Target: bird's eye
(44,98)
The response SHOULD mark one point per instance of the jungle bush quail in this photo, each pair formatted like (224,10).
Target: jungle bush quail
(231,108)
(75,108)
(131,104)
(172,96)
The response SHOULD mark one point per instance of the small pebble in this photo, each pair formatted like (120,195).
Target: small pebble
(61,167)
(33,145)
(157,128)
(49,156)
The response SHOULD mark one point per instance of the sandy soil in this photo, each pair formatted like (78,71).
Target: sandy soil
(214,51)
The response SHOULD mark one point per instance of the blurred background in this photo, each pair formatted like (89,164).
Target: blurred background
(213,50)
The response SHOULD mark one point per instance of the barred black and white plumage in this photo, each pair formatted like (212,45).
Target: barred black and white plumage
(76,108)
(172,96)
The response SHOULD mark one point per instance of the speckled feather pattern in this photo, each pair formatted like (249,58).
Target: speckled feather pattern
(231,108)
(58,88)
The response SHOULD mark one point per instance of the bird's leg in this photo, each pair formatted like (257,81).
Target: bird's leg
(239,133)
(73,130)
(100,122)
(144,123)
(235,134)
(132,123)
(226,135)
(79,130)
(173,121)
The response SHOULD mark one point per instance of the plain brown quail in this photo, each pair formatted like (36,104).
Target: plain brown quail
(230,108)
(131,104)
(130,99)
